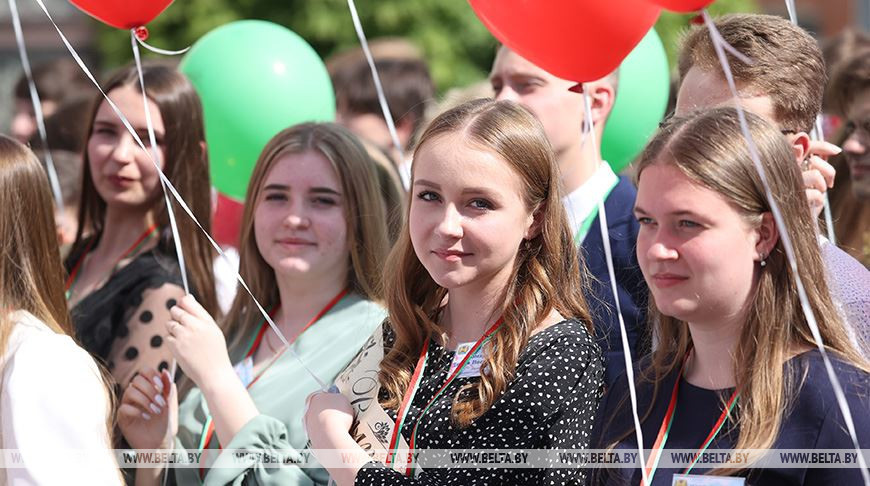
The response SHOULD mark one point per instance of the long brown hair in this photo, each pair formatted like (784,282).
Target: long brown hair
(364,213)
(31,274)
(709,148)
(186,166)
(546,274)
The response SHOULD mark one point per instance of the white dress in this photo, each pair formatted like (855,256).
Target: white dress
(53,408)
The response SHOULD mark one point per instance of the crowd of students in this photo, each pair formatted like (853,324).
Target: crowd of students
(470,251)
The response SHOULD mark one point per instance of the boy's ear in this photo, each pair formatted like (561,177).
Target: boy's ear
(800,144)
(602,97)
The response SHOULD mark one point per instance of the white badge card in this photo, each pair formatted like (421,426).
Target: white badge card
(245,370)
(698,480)
(472,368)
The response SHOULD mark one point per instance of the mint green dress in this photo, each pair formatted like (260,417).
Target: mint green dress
(326,348)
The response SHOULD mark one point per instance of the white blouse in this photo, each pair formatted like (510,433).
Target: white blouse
(54,408)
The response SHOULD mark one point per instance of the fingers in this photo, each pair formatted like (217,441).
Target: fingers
(824,169)
(816,201)
(813,179)
(823,149)
(130,412)
(172,327)
(146,393)
(191,305)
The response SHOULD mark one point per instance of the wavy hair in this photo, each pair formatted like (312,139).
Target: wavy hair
(546,274)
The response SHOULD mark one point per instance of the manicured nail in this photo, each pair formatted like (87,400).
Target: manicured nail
(146,416)
(154,408)
(158,383)
(160,401)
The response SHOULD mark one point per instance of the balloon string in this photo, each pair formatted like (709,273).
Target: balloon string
(718,42)
(382,99)
(589,134)
(155,155)
(792,11)
(174,192)
(158,50)
(816,134)
(37,107)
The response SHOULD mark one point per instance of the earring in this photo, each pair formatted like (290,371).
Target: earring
(763,262)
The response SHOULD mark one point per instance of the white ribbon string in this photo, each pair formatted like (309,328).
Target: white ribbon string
(155,155)
(815,134)
(174,192)
(382,99)
(37,107)
(158,50)
(718,43)
(792,11)
(589,134)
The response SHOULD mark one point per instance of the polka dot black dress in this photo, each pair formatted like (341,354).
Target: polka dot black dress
(122,323)
(550,404)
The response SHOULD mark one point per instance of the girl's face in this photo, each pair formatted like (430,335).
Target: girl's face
(697,253)
(299,220)
(468,216)
(123,174)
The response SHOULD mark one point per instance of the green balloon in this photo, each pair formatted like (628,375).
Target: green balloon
(641,101)
(255,78)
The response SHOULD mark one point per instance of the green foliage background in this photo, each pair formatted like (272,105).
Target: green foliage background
(457,46)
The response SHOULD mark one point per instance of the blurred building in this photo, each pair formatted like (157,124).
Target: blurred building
(42,41)
(824,18)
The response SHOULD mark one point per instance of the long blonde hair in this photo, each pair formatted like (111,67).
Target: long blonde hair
(709,148)
(363,210)
(546,274)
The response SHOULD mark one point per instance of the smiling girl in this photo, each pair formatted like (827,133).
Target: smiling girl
(486,263)
(313,237)
(736,365)
(123,270)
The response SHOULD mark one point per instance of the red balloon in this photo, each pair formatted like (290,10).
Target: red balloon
(578,40)
(123,14)
(682,5)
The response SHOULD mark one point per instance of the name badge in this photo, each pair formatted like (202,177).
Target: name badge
(245,370)
(472,367)
(698,480)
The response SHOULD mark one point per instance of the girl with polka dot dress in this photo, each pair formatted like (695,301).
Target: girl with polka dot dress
(123,273)
(313,238)
(489,341)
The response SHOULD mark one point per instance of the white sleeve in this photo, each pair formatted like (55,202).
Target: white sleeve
(54,415)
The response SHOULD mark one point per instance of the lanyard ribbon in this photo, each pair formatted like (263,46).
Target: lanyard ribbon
(208,426)
(653,460)
(134,248)
(402,413)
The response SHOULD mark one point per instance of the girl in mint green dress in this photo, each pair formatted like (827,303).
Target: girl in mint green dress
(313,238)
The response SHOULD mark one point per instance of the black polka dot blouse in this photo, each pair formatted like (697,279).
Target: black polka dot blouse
(550,404)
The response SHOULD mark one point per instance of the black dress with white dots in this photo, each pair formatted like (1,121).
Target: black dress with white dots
(550,404)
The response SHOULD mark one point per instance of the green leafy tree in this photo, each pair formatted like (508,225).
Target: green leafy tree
(457,46)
